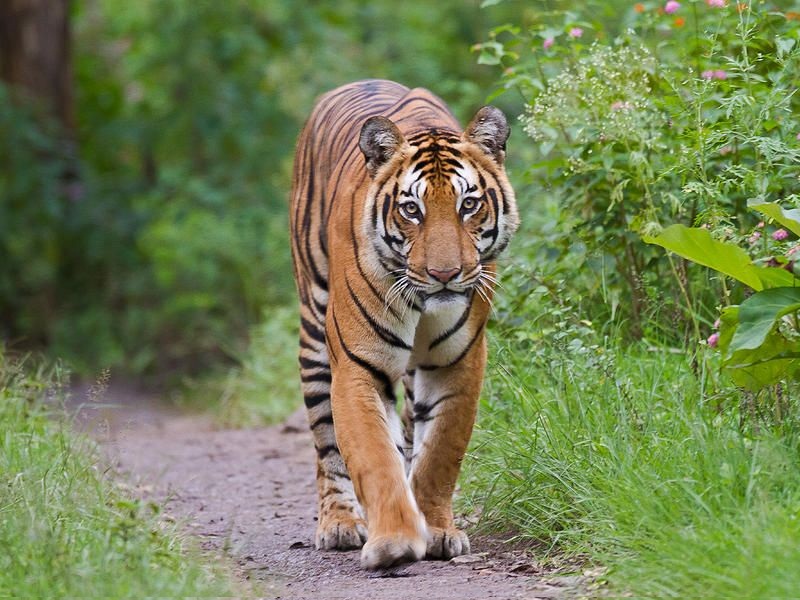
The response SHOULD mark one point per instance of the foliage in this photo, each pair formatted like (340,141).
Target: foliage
(172,242)
(669,116)
(65,529)
(635,457)
(759,339)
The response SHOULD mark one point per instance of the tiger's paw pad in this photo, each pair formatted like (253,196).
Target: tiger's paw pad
(389,550)
(340,533)
(447,543)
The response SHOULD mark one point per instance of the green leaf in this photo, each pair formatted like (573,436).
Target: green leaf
(698,246)
(759,375)
(759,314)
(789,218)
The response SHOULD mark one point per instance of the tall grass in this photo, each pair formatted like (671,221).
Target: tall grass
(622,455)
(64,529)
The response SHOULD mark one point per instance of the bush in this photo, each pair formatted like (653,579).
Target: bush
(682,116)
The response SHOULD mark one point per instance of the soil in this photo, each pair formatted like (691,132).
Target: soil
(250,494)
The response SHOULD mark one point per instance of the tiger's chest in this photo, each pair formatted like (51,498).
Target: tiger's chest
(442,333)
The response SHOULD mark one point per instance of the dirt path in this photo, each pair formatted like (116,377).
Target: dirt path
(251,494)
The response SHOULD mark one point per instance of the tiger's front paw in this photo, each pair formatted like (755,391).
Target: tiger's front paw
(446,543)
(388,550)
(339,532)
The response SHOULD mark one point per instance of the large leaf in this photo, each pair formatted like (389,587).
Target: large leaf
(759,314)
(769,372)
(789,218)
(698,246)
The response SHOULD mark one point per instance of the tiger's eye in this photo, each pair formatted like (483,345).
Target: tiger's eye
(410,208)
(469,203)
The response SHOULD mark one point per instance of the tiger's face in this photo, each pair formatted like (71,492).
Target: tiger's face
(439,209)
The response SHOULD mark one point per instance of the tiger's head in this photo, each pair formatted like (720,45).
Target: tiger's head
(439,209)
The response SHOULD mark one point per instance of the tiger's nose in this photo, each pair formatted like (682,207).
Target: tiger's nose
(444,275)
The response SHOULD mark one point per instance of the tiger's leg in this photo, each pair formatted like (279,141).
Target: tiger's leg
(408,417)
(396,528)
(446,402)
(340,522)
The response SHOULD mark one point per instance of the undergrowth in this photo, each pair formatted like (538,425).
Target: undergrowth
(633,458)
(65,529)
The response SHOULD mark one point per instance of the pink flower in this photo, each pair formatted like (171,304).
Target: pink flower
(792,250)
(714,74)
(756,235)
(760,225)
(575,32)
(620,105)
(798,136)
(780,235)
(716,324)
(548,43)
(713,340)
(716,3)
(671,7)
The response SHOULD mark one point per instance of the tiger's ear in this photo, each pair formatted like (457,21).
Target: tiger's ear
(379,140)
(489,130)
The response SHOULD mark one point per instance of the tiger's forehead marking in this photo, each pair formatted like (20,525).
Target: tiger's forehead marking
(434,159)
(464,178)
(414,183)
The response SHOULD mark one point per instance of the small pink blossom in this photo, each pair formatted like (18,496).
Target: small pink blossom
(575,32)
(671,7)
(620,105)
(793,250)
(716,324)
(714,74)
(713,340)
(760,225)
(780,235)
(798,136)
(716,3)
(548,43)
(756,235)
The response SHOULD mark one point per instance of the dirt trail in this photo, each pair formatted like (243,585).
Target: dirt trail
(251,494)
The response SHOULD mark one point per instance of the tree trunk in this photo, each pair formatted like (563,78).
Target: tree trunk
(35,54)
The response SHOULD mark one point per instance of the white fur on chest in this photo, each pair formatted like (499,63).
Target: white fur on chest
(442,332)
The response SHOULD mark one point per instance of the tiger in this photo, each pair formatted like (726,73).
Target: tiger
(396,221)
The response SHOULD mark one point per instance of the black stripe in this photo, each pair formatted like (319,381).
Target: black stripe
(457,358)
(313,400)
(422,412)
(323,420)
(325,450)
(385,334)
(458,325)
(494,231)
(366,365)
(324,377)
(312,330)
(310,363)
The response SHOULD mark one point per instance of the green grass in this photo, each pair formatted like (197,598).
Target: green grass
(625,456)
(65,530)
